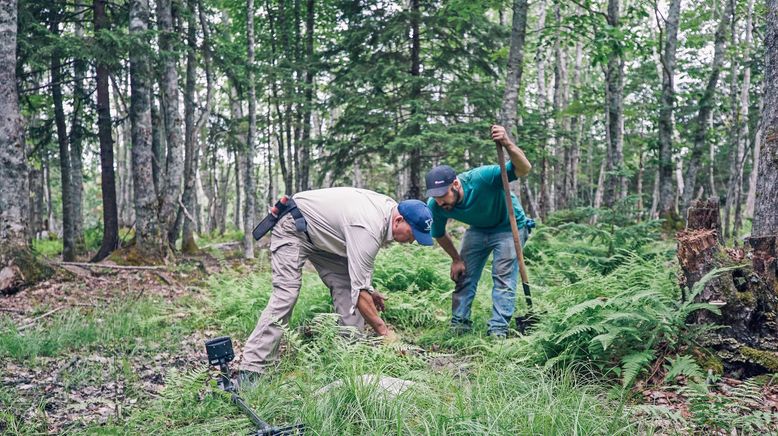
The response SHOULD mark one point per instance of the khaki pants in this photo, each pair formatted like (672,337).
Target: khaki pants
(289,249)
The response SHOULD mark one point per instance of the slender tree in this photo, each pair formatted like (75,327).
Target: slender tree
(188,210)
(248,170)
(616,181)
(705,107)
(171,193)
(107,176)
(68,238)
(414,128)
(666,196)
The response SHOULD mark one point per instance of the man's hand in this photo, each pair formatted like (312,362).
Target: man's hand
(390,337)
(500,136)
(457,270)
(378,300)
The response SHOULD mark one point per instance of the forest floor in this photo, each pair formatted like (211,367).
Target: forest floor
(121,351)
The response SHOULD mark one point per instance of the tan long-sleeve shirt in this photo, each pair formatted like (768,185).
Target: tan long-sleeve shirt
(350,222)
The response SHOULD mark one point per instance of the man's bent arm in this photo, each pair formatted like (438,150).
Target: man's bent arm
(521,165)
(368,310)
(448,246)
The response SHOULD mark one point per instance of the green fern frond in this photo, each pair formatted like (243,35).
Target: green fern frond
(684,365)
(633,364)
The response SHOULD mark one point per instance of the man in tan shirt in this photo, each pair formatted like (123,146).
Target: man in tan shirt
(345,229)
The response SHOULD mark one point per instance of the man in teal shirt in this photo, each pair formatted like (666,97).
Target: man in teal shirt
(476,198)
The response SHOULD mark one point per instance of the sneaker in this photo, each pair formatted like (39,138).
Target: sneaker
(497,335)
(459,329)
(247,379)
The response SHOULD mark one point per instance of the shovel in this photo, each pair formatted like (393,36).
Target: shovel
(522,322)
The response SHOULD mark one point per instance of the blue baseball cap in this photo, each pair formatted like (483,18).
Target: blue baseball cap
(419,217)
(439,179)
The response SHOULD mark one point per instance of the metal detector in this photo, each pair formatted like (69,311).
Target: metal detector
(220,354)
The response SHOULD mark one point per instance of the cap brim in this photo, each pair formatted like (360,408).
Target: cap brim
(423,238)
(438,192)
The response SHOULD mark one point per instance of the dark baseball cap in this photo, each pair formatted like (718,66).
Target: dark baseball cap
(419,217)
(439,179)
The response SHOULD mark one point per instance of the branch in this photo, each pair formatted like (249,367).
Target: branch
(120,267)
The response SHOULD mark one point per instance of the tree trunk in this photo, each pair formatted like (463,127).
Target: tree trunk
(107,177)
(734,132)
(248,173)
(616,182)
(18,266)
(765,222)
(148,235)
(81,101)
(576,126)
(191,151)
(560,124)
(666,200)
(744,130)
(544,202)
(414,129)
(705,105)
(310,71)
(751,199)
(68,238)
(171,194)
(746,294)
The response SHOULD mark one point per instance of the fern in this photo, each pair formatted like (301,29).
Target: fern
(684,365)
(634,364)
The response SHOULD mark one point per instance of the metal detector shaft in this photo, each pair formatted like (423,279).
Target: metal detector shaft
(514,226)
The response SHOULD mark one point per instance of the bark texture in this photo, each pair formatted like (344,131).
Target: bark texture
(766,205)
(248,156)
(148,237)
(18,266)
(174,168)
(705,105)
(508,110)
(666,199)
(744,291)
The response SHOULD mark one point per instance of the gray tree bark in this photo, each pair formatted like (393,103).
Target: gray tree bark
(544,201)
(249,211)
(18,266)
(766,207)
(666,199)
(743,136)
(174,163)
(616,182)
(191,151)
(702,121)
(508,110)
(148,234)
(305,143)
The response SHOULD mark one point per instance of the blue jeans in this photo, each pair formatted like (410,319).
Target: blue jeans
(476,247)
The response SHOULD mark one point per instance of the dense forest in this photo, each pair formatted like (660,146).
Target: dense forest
(150,134)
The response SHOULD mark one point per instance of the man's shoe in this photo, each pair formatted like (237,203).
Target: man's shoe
(247,379)
(497,335)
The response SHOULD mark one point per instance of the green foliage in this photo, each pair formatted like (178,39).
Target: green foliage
(145,321)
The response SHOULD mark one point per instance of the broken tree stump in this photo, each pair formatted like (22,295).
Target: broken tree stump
(747,342)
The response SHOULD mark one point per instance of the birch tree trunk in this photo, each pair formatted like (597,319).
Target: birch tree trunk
(616,182)
(702,121)
(248,173)
(666,199)
(172,115)
(148,234)
(510,96)
(18,266)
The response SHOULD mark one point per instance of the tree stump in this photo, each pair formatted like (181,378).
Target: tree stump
(745,292)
